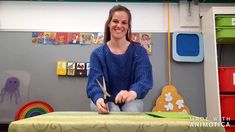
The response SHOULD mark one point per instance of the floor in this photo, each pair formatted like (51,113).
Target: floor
(3,127)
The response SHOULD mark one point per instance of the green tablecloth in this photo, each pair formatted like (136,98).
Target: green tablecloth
(113,122)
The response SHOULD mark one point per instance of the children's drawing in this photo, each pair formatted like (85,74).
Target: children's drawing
(40,37)
(11,90)
(85,38)
(135,37)
(34,40)
(61,67)
(146,42)
(34,37)
(81,70)
(74,38)
(34,34)
(61,38)
(97,38)
(49,38)
(14,91)
(71,68)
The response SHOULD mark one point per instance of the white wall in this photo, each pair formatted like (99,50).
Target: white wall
(82,16)
(88,16)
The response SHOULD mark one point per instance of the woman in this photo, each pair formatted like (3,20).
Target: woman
(124,65)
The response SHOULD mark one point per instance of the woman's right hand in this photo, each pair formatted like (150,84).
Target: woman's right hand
(102,107)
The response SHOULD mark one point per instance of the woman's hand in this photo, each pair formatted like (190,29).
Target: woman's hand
(102,107)
(125,96)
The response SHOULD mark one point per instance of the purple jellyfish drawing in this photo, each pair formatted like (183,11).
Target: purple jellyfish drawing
(11,90)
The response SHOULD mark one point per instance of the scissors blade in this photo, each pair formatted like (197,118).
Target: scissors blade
(104,90)
(104,87)
(106,93)
(100,85)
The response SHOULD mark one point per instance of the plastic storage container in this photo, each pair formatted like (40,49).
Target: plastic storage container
(227,106)
(225,20)
(225,35)
(231,128)
(227,79)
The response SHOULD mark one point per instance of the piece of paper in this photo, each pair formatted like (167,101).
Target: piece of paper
(169,115)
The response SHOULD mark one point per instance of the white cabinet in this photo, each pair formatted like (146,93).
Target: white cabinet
(212,93)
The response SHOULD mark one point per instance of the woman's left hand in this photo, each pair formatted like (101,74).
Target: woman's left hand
(125,96)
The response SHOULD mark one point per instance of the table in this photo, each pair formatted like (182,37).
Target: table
(113,122)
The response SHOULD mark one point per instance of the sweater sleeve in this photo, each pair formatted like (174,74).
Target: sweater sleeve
(94,92)
(143,80)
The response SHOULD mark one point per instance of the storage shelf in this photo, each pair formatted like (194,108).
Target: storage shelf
(212,61)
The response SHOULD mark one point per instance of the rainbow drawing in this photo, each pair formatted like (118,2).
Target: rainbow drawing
(33,108)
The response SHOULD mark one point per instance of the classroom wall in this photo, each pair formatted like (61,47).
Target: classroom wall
(17,53)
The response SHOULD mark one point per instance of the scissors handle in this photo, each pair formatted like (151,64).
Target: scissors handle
(105,101)
(112,99)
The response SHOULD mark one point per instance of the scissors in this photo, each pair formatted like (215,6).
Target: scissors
(107,96)
(104,90)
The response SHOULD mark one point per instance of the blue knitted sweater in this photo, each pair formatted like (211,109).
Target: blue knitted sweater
(129,71)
